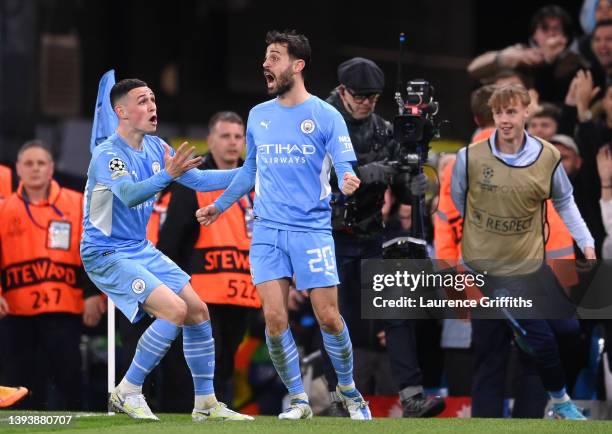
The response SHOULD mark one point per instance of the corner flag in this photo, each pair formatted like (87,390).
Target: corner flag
(105,120)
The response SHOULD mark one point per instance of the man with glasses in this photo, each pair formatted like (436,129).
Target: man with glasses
(357,231)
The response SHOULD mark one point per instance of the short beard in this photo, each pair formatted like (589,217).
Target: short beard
(285,83)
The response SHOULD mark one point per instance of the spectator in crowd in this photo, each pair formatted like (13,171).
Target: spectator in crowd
(601,45)
(570,154)
(594,15)
(544,122)
(592,12)
(592,132)
(44,283)
(604,169)
(546,58)
(216,256)
(580,93)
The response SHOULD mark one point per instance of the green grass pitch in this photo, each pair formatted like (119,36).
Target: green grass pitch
(181,423)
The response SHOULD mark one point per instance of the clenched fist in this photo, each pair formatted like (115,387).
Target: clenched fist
(350,183)
(208,214)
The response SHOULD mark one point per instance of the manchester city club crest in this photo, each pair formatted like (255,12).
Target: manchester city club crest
(307,126)
(138,286)
(156,166)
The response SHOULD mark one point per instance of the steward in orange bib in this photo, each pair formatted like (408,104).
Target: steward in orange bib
(217,256)
(42,282)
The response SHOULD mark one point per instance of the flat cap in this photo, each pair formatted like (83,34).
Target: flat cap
(361,75)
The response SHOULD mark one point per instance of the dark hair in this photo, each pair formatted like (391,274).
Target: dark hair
(123,87)
(226,116)
(548,110)
(553,11)
(297,44)
(35,143)
(508,72)
(479,103)
(602,23)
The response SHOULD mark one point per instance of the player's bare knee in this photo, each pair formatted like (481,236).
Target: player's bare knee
(330,321)
(178,315)
(276,322)
(197,313)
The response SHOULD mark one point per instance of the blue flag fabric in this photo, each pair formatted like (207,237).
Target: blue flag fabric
(105,120)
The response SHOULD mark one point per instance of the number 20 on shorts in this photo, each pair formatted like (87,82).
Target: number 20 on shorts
(323,260)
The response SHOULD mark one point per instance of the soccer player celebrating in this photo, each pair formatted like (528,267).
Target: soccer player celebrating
(125,173)
(292,141)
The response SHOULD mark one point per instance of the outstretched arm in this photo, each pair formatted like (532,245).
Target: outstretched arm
(134,193)
(242,183)
(207,180)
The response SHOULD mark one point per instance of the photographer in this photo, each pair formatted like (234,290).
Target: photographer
(357,230)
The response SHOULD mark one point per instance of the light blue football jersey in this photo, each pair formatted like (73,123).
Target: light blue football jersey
(107,222)
(295,148)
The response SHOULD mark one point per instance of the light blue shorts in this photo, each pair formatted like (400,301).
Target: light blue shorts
(278,253)
(129,279)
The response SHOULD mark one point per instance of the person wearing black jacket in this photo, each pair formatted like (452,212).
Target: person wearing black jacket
(357,225)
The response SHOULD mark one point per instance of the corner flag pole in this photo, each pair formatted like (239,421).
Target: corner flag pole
(110,337)
(104,124)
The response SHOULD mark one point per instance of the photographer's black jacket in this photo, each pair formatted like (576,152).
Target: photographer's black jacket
(371,138)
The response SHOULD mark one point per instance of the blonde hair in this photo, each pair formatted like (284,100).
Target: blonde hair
(509,94)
